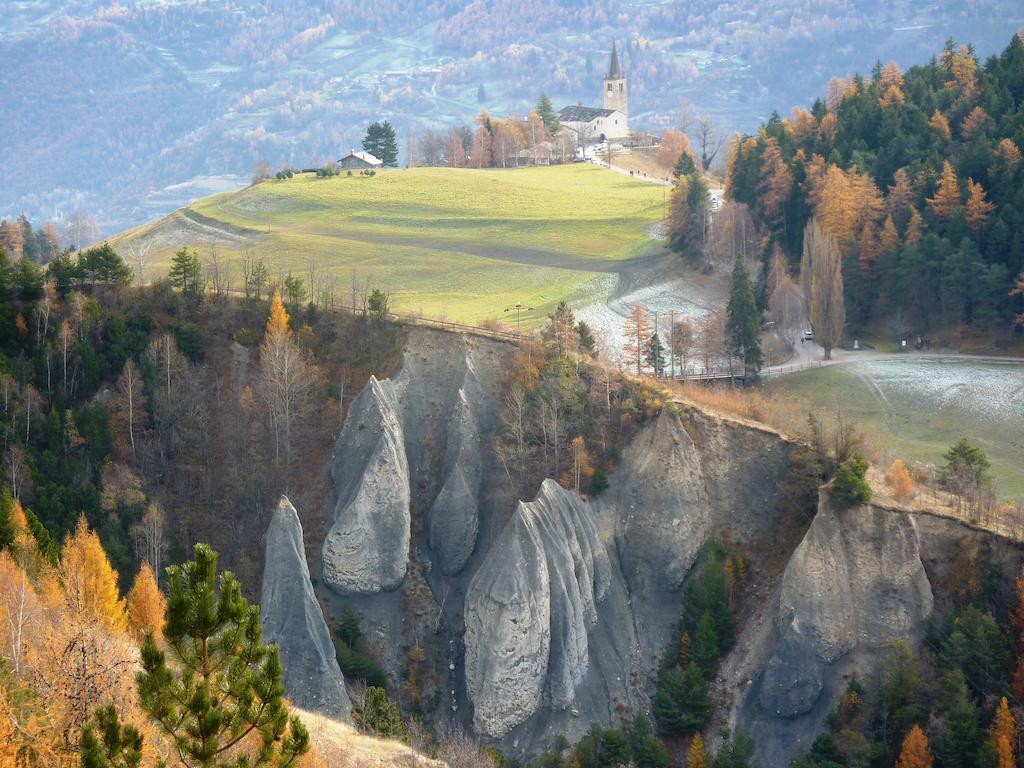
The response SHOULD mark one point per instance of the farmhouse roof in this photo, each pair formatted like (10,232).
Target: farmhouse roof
(366,157)
(580,114)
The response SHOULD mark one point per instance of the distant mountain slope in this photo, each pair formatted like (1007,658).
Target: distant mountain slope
(104,106)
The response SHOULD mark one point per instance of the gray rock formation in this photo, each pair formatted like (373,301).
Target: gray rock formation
(366,549)
(855,583)
(529,610)
(425,429)
(292,619)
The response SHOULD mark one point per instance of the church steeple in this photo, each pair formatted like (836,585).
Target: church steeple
(614,73)
(615,93)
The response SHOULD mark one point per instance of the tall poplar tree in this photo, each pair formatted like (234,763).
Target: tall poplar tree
(821,273)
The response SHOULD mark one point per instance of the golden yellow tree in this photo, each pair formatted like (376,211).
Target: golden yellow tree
(946,202)
(940,125)
(146,604)
(697,757)
(901,194)
(1009,155)
(899,480)
(978,207)
(889,239)
(88,579)
(915,753)
(915,228)
(974,123)
(277,320)
(1003,734)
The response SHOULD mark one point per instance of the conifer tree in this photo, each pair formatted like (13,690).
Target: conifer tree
(681,704)
(696,757)
(548,115)
(7,531)
(1003,735)
(118,746)
(916,752)
(220,696)
(146,604)
(655,355)
(648,751)
(744,323)
(947,195)
(186,272)
(88,579)
(705,645)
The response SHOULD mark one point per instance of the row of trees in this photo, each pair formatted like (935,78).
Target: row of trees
(536,139)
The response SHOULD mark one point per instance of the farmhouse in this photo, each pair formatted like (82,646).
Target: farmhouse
(359,160)
(593,124)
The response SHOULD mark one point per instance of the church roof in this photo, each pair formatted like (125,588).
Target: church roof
(614,72)
(580,114)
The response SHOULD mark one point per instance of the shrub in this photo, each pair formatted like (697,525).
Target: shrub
(379,715)
(849,487)
(898,478)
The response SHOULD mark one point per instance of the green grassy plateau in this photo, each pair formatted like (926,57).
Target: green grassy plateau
(914,409)
(456,243)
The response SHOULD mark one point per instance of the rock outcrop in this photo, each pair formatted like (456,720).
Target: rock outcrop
(529,610)
(425,430)
(366,549)
(292,619)
(854,584)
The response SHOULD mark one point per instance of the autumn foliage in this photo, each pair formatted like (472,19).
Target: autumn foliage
(915,753)
(898,478)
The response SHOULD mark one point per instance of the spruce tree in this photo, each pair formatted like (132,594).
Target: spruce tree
(221,690)
(548,115)
(656,355)
(744,323)
(648,751)
(681,704)
(705,645)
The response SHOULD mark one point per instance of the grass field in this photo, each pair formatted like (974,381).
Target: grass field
(915,409)
(458,243)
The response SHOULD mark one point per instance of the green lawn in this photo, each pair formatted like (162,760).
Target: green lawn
(915,409)
(458,243)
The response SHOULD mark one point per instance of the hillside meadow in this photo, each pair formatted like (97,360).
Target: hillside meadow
(457,243)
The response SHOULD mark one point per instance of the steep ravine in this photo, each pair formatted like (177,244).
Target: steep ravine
(541,617)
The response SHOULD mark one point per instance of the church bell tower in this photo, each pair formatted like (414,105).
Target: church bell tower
(615,92)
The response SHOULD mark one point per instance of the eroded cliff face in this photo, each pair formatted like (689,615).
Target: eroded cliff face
(601,578)
(399,438)
(292,619)
(860,579)
(554,612)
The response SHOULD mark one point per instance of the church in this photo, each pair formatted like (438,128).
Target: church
(592,125)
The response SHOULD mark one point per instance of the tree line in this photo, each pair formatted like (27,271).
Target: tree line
(911,182)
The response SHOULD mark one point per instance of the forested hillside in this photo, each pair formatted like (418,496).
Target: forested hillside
(917,177)
(162,416)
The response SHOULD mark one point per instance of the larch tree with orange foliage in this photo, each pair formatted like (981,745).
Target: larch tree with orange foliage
(915,228)
(286,381)
(89,580)
(696,757)
(940,126)
(978,207)
(1003,735)
(636,332)
(146,604)
(915,753)
(889,239)
(898,478)
(673,144)
(946,202)
(776,185)
(901,194)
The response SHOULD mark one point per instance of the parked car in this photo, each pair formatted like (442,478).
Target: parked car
(808,335)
